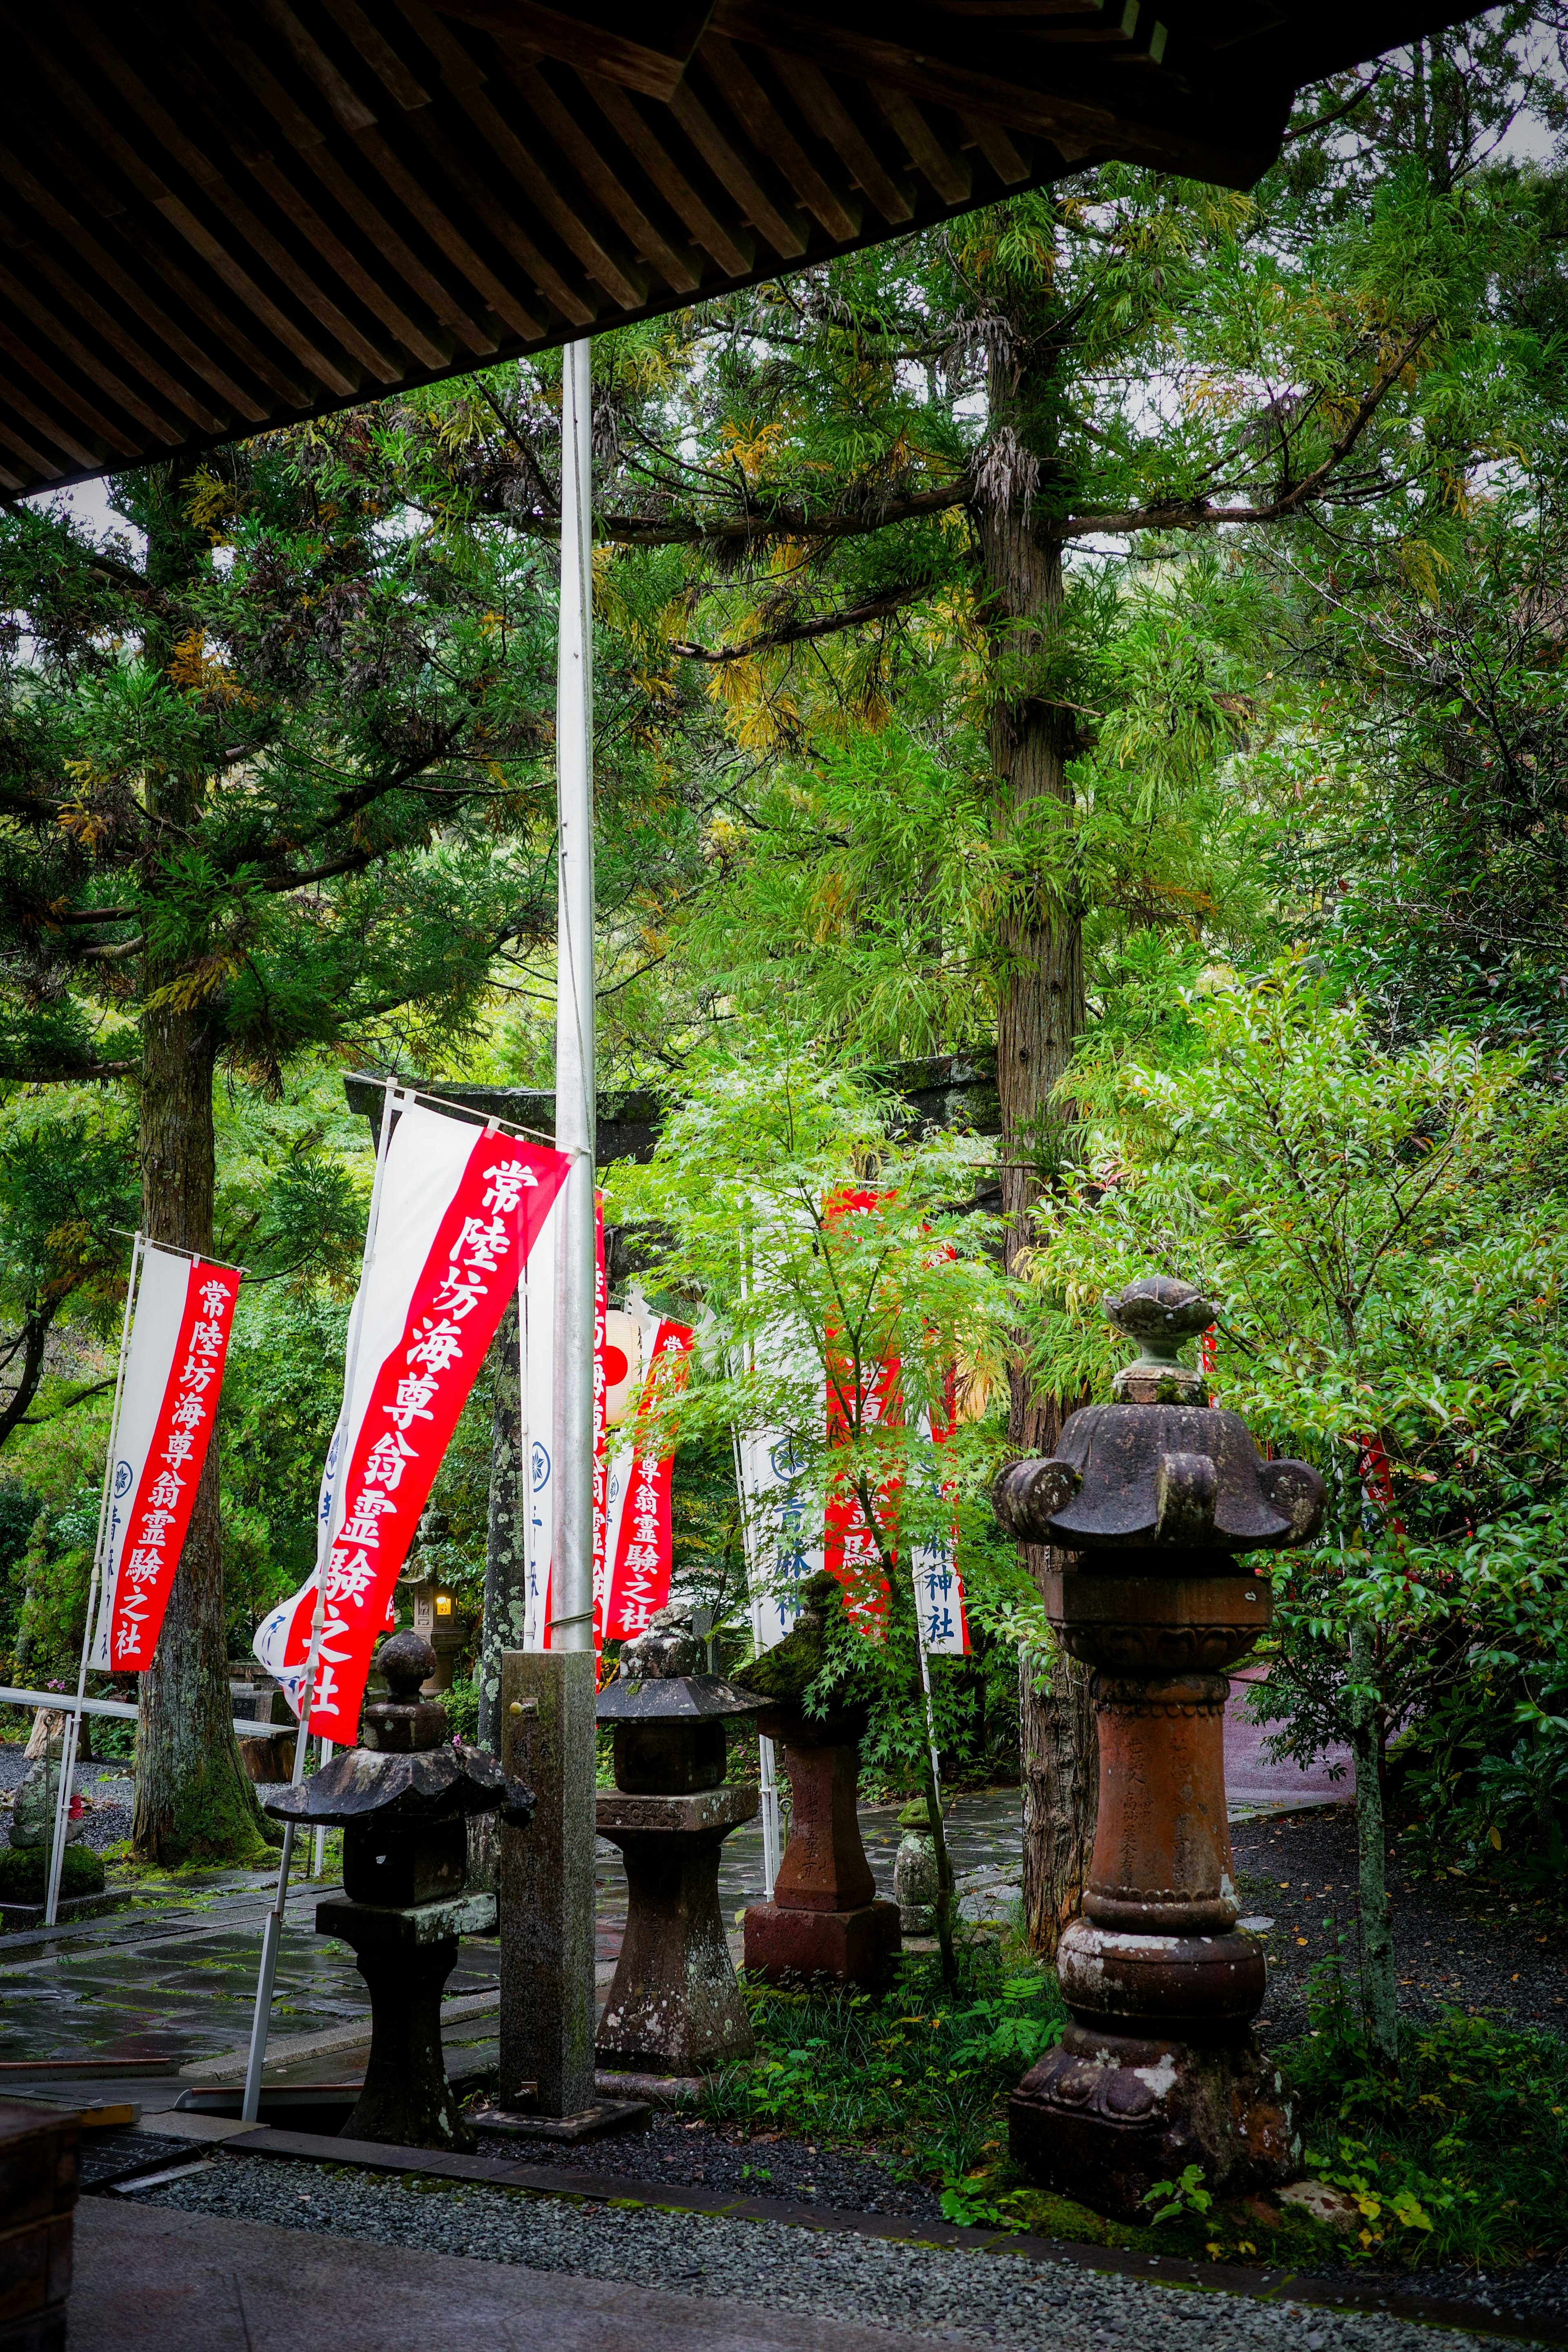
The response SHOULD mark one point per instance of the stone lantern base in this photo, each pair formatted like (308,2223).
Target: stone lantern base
(1104,2115)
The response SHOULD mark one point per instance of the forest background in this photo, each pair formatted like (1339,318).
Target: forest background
(1117,641)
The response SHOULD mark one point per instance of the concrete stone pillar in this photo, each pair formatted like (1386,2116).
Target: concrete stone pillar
(547,2002)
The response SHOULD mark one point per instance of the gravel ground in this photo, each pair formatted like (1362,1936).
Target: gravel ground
(693,2155)
(1301,1873)
(982,2299)
(105,1789)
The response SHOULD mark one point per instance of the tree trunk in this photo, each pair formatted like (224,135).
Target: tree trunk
(506,1571)
(1041,1016)
(1379,1988)
(194,1802)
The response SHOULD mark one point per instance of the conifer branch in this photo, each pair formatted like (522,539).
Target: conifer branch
(825,624)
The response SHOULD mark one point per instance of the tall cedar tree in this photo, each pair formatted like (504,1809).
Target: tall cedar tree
(803,490)
(268,786)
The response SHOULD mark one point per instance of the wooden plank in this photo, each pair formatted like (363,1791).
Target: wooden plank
(384,159)
(178,142)
(39,372)
(350,195)
(947,171)
(175,213)
(50,427)
(361,121)
(501,217)
(953,63)
(378,54)
(127,284)
(465,81)
(647,48)
(831,119)
(312,59)
(442,231)
(731,248)
(680,269)
(34,457)
(344,185)
(999,151)
(785,229)
(425,348)
(772,136)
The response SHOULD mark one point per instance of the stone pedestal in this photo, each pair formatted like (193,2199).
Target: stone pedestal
(547,1885)
(1146,1505)
(406,1955)
(825,1918)
(675,2006)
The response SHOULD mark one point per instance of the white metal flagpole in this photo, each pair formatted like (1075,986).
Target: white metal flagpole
(71,1735)
(272,1933)
(572,1579)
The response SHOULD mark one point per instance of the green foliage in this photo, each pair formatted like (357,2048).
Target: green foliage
(1185,2194)
(921,2072)
(1462,2158)
(1387,1241)
(24,1872)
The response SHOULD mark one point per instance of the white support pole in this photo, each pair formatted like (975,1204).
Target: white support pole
(71,1736)
(272,1936)
(572,1578)
(768,1774)
(930,1708)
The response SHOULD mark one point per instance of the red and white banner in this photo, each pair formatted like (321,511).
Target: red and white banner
(173,1371)
(850,1552)
(460,1209)
(639,1537)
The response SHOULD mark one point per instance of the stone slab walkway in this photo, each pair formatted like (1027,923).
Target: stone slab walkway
(154,2280)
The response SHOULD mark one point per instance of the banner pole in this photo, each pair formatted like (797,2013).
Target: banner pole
(572,1578)
(271,1934)
(70,1736)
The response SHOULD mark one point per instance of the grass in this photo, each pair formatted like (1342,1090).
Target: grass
(1459,2158)
(921,2073)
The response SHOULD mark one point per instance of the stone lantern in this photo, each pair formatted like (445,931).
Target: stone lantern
(403,1802)
(437,1617)
(1147,1505)
(826,1918)
(675,2006)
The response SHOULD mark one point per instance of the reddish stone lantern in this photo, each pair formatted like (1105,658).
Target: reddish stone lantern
(826,1918)
(1146,1505)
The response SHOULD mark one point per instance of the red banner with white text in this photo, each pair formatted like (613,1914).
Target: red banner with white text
(153,1493)
(460,1209)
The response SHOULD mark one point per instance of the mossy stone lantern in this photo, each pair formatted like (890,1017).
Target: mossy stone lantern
(1149,1505)
(675,2004)
(403,1802)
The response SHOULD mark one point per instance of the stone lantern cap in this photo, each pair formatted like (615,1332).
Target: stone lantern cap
(413,1775)
(1164,1467)
(658,1681)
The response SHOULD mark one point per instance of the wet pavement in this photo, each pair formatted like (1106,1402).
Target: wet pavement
(170,1978)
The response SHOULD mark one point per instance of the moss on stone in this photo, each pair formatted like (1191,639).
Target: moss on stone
(24,1870)
(785,1672)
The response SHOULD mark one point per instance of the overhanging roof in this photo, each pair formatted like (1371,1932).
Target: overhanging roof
(221,215)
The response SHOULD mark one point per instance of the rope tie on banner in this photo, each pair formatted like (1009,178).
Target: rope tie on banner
(493,1124)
